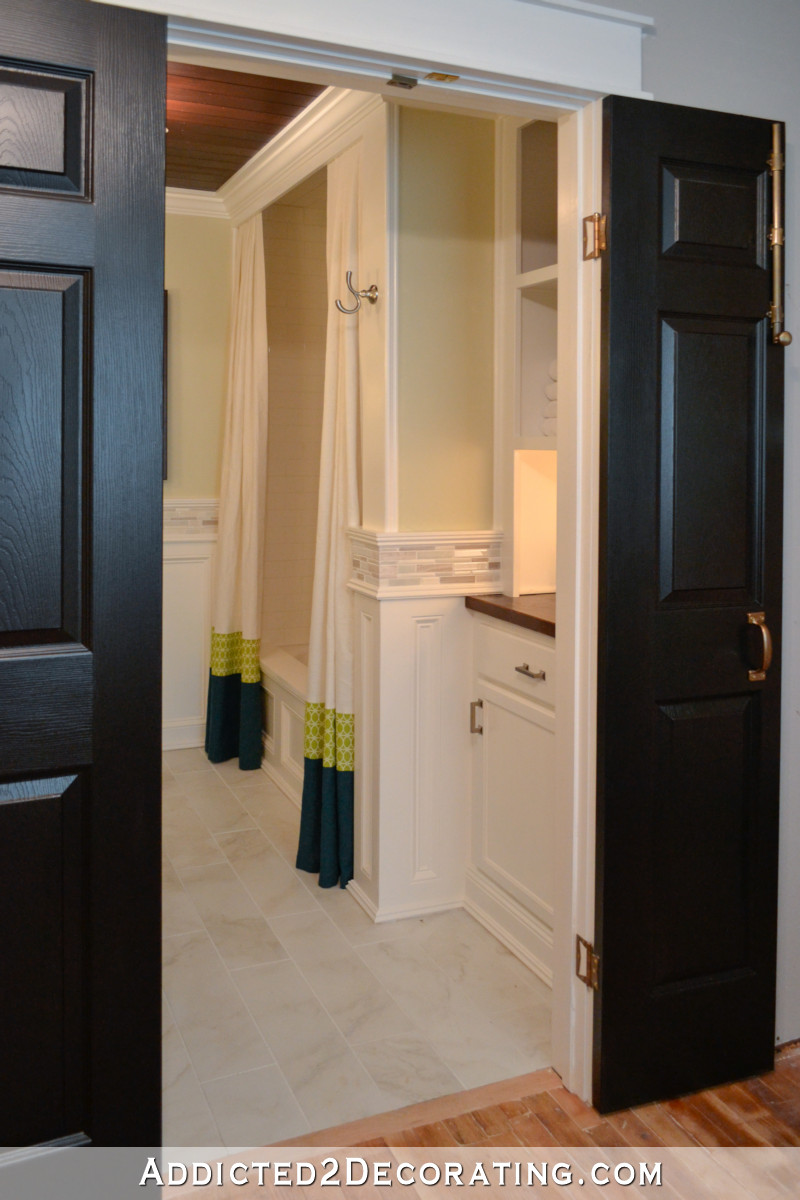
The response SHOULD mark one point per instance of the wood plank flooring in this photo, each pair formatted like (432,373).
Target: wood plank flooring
(537,1110)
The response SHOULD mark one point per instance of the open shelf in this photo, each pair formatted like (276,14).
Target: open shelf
(543,279)
(535,443)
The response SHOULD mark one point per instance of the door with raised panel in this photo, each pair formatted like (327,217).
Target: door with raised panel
(81,279)
(690,555)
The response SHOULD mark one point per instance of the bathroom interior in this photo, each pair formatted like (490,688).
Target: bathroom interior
(290,1008)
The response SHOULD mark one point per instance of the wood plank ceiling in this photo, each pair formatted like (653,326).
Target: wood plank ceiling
(217,120)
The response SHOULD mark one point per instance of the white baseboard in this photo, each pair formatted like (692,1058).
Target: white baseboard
(182,735)
(362,899)
(396,912)
(523,934)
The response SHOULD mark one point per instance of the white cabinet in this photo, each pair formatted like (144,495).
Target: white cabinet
(510,875)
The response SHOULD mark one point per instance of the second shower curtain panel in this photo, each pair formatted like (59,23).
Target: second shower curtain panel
(326,827)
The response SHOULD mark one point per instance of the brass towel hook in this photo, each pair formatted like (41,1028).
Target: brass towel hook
(370,293)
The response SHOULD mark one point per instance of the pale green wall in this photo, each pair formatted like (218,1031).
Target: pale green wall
(198,279)
(445,310)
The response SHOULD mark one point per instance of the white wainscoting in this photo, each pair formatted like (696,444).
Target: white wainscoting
(284,681)
(412,670)
(188,556)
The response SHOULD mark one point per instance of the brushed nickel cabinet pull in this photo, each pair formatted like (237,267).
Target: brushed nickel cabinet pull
(474,727)
(525,670)
(759,619)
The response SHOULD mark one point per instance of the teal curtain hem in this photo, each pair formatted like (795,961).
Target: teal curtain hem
(326,824)
(233,721)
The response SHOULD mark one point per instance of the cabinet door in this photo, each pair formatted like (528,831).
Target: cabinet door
(514,812)
(690,537)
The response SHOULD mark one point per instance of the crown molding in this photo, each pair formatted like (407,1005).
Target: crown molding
(186,202)
(326,127)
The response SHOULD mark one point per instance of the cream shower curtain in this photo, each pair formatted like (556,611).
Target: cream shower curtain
(326,827)
(233,725)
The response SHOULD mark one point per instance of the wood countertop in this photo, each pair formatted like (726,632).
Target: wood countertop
(537,612)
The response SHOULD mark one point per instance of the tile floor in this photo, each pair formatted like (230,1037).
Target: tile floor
(286,1009)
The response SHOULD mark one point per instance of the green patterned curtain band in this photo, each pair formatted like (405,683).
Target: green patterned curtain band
(330,736)
(231,654)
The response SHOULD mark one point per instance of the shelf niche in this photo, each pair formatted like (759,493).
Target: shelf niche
(538,205)
(535,484)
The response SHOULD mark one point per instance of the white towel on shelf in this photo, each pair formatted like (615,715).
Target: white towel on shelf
(552,370)
(549,426)
(550,408)
(551,390)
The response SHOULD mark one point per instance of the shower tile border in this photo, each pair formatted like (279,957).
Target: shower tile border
(460,563)
(183,517)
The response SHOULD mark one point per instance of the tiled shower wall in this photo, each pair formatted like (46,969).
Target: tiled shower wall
(294,248)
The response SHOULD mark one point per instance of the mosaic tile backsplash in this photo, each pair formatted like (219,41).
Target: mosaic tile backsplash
(451,562)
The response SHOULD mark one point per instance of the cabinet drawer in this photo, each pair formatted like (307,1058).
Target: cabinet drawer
(499,652)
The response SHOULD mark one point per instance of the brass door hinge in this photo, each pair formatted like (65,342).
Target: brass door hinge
(594,235)
(590,976)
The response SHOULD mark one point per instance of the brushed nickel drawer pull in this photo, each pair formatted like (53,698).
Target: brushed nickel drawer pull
(525,670)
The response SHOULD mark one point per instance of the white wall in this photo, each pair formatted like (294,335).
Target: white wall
(742,56)
(445,314)
(197,276)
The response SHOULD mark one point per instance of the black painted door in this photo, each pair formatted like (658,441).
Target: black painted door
(81,279)
(691,463)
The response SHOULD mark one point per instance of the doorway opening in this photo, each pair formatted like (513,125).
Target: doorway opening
(459,963)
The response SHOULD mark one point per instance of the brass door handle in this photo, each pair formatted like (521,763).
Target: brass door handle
(760,619)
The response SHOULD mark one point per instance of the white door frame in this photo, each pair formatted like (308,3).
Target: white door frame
(579,113)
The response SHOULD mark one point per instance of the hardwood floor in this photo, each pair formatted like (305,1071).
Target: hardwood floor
(537,1110)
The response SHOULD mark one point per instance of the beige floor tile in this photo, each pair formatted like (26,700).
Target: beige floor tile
(360,1006)
(186,839)
(186,1116)
(479,1052)
(193,759)
(310,937)
(216,1027)
(171,788)
(178,913)
(359,928)
(218,809)
(289,1015)
(359,1018)
(333,1082)
(255,1108)
(238,929)
(407,1069)
(412,978)
(284,836)
(269,880)
(485,971)
(324,1073)
(231,772)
